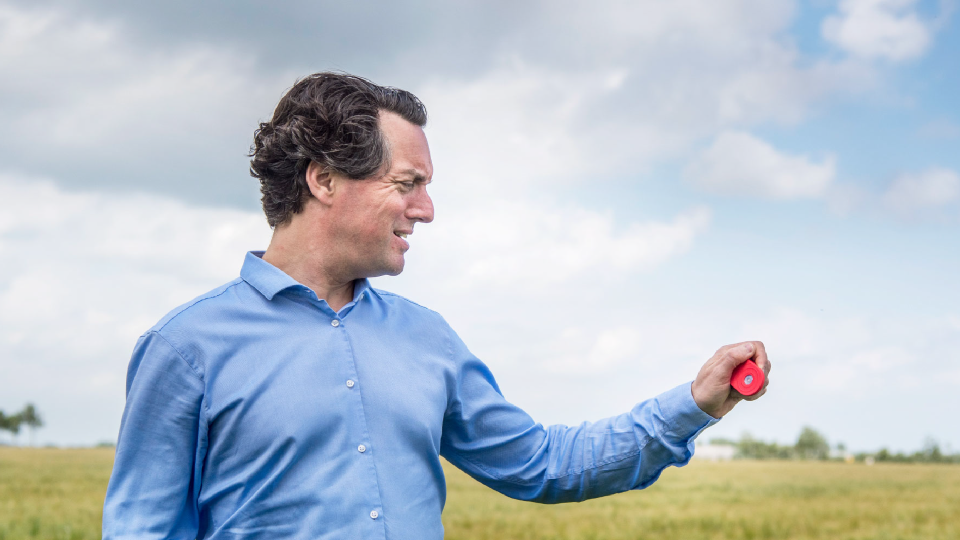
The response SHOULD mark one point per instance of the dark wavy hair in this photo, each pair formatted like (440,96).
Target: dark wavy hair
(330,118)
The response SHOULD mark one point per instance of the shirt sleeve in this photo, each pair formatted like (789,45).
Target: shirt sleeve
(502,447)
(155,482)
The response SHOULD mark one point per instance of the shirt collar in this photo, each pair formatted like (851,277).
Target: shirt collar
(270,280)
(360,286)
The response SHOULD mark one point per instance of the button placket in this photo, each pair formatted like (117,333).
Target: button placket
(365,462)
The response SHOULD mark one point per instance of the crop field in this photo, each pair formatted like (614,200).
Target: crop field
(58,494)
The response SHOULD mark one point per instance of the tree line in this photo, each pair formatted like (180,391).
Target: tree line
(29,417)
(811,444)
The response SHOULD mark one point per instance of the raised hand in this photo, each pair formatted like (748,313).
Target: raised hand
(712,390)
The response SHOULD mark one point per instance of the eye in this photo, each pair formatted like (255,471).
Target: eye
(406,186)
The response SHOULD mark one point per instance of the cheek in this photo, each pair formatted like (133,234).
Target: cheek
(371,223)
(372,231)
(358,223)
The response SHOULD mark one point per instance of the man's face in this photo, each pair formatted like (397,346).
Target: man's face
(376,215)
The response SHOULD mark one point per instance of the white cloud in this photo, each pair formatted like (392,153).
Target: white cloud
(738,163)
(915,193)
(642,84)
(531,245)
(888,29)
(838,373)
(515,124)
(625,96)
(526,124)
(954,322)
(580,351)
(861,353)
(115,114)
(83,275)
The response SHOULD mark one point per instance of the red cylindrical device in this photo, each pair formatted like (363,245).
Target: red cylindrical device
(747,378)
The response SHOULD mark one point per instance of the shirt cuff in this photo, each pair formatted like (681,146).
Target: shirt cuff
(682,415)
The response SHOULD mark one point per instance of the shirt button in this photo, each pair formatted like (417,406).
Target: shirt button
(350,383)
(374,514)
(335,323)
(362,448)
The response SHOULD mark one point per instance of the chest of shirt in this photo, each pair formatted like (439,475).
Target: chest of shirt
(317,383)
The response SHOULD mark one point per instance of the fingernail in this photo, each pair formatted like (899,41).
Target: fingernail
(748,347)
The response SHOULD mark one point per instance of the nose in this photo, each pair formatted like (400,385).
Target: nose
(421,208)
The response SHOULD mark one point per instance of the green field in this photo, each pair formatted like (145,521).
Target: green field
(51,493)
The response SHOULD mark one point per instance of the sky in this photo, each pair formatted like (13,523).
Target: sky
(621,188)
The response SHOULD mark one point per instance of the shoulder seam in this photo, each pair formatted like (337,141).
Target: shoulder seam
(180,354)
(407,300)
(196,301)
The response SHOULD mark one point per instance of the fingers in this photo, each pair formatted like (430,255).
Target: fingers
(762,391)
(747,350)
(723,350)
(739,353)
(761,357)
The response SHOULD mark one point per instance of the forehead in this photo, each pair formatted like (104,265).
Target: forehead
(409,151)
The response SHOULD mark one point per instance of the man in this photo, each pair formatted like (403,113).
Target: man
(298,402)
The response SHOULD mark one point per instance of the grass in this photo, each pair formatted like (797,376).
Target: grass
(58,494)
(52,493)
(735,500)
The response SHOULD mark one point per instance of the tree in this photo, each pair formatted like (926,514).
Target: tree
(812,445)
(12,424)
(32,419)
(931,451)
(28,416)
(751,448)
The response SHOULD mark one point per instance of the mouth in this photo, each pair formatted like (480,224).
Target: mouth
(402,234)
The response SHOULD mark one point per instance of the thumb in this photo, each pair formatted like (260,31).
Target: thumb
(740,354)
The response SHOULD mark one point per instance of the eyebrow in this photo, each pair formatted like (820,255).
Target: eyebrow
(418,176)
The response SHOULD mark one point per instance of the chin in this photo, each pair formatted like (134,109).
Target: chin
(392,269)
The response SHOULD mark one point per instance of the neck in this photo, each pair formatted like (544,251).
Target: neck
(302,256)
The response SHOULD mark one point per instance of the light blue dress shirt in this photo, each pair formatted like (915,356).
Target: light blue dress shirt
(256,411)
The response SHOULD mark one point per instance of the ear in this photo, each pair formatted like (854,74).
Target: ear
(320,182)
